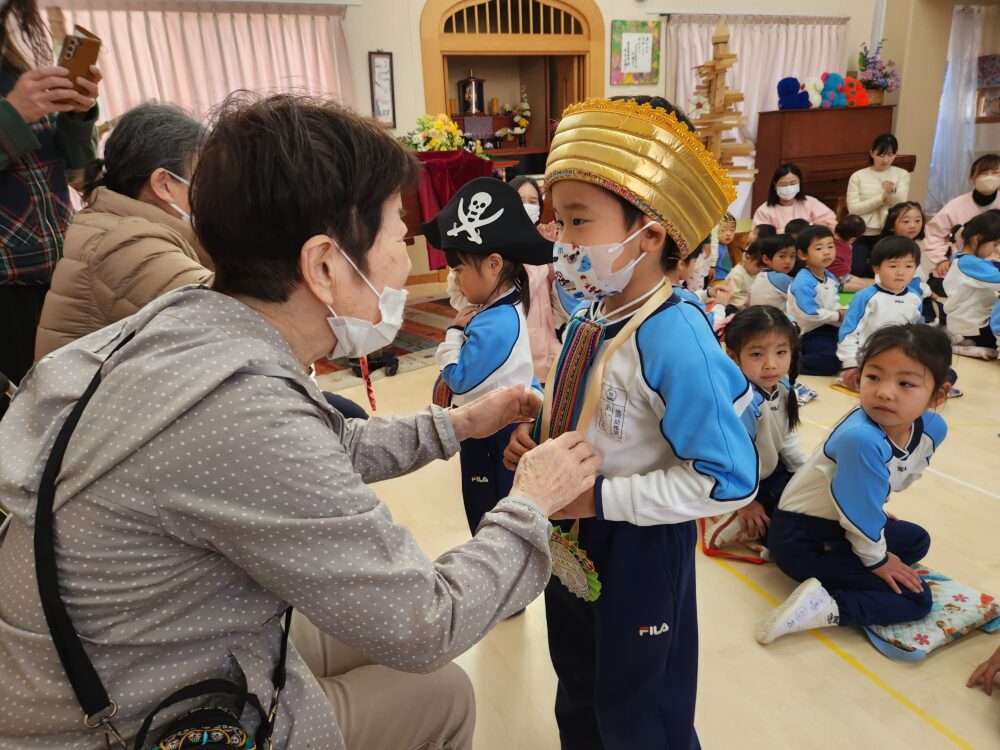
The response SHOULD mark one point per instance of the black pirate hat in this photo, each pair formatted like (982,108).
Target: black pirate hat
(487,216)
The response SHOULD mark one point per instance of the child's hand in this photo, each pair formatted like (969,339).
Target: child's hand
(465,315)
(520,443)
(711,275)
(852,378)
(722,294)
(894,572)
(986,673)
(840,316)
(753,520)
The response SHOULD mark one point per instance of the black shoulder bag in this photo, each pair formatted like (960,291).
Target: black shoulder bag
(211,727)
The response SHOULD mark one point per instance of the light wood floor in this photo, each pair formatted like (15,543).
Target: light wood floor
(802,691)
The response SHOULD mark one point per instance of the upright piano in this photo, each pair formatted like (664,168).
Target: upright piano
(828,145)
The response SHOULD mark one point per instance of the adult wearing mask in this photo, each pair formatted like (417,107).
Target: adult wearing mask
(786,201)
(46,127)
(939,239)
(133,242)
(209,485)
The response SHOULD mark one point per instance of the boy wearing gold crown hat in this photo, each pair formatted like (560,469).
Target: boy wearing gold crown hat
(642,375)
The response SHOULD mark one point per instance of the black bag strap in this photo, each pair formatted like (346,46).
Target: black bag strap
(93,697)
(98,708)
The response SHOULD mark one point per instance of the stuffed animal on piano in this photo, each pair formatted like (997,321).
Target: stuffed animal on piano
(833,91)
(856,94)
(791,94)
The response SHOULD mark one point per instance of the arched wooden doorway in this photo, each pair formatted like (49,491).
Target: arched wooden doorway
(571,33)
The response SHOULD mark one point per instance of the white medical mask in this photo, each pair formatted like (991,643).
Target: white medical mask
(987,184)
(185,216)
(585,271)
(787,192)
(359,338)
(534,211)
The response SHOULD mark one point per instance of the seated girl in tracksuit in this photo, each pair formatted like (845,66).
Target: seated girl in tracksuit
(831,530)
(814,302)
(679,272)
(765,345)
(487,237)
(972,285)
(643,377)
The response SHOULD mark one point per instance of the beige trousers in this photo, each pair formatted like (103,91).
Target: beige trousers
(379,708)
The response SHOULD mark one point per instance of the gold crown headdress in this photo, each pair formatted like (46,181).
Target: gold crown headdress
(649,158)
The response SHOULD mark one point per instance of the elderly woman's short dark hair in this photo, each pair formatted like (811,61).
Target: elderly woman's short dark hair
(279,170)
(146,138)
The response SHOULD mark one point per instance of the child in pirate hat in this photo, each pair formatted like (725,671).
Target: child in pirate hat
(642,376)
(487,237)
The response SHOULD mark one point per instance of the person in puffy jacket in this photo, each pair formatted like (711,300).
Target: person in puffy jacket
(133,242)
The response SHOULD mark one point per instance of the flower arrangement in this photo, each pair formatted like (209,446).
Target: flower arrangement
(434,133)
(875,74)
(522,118)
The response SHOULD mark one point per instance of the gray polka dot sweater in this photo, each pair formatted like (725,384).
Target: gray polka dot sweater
(207,486)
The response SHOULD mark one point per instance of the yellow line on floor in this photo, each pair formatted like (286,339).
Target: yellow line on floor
(878,681)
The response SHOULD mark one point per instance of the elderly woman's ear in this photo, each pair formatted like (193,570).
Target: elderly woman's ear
(320,267)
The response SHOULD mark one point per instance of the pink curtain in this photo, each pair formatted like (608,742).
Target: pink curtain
(194,54)
(769,49)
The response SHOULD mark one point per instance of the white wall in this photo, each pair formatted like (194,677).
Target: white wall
(394,26)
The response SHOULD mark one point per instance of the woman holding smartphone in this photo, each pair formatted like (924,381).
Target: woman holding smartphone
(46,127)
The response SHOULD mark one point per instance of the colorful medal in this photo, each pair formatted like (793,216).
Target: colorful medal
(572,567)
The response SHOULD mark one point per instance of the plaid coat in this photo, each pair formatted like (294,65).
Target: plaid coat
(34,197)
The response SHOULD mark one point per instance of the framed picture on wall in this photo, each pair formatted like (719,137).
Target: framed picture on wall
(383,88)
(988,104)
(635,52)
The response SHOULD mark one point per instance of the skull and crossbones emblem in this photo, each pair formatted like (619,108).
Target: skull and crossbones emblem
(474,219)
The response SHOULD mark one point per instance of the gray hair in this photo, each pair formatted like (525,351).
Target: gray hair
(146,138)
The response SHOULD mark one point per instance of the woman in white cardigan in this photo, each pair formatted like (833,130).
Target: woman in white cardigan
(871,192)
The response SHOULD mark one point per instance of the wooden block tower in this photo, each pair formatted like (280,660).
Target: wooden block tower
(721,115)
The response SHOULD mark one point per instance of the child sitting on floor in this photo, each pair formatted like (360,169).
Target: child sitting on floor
(814,303)
(741,278)
(795,227)
(890,302)
(972,285)
(723,260)
(847,231)
(831,530)
(765,345)
(770,287)
(711,301)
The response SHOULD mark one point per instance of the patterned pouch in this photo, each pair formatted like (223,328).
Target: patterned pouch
(956,610)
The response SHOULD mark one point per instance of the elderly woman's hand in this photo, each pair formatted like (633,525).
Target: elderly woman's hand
(489,414)
(557,472)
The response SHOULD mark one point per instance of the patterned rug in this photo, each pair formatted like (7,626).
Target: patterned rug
(425,321)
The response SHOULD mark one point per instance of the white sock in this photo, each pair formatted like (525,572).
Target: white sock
(809,607)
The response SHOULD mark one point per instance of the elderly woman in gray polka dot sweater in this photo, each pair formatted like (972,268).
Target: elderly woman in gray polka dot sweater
(209,484)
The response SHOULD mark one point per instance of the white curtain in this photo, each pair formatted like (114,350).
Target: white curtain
(955,134)
(194,54)
(769,49)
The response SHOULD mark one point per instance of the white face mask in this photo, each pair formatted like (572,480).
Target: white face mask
(787,192)
(585,271)
(185,216)
(534,211)
(987,184)
(359,338)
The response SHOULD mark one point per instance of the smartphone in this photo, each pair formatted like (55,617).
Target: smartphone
(79,51)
